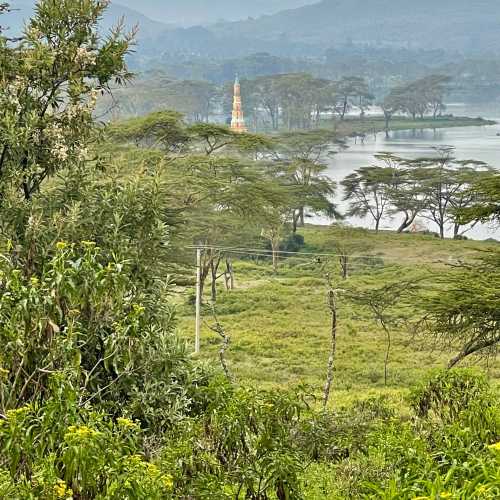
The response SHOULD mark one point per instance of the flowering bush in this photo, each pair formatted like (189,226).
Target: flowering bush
(49,84)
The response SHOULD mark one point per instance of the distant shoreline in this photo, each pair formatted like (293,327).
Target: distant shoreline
(352,127)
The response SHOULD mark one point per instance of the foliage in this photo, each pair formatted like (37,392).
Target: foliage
(462,308)
(49,85)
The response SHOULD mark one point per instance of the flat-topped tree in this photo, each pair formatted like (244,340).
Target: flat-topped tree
(225,202)
(485,206)
(302,157)
(446,184)
(368,191)
(213,138)
(164,130)
(353,90)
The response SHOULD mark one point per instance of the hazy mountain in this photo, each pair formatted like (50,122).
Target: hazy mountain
(450,24)
(148,28)
(192,12)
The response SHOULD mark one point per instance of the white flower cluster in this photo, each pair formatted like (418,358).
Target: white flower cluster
(85,56)
(59,148)
(35,33)
(10,94)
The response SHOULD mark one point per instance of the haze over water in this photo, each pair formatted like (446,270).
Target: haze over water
(478,143)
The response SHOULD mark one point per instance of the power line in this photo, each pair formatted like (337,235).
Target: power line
(268,253)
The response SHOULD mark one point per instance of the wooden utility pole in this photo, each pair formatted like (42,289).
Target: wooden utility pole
(198,302)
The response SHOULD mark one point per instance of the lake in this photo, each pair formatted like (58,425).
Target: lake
(478,143)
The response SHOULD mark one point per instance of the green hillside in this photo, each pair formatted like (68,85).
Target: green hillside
(280,324)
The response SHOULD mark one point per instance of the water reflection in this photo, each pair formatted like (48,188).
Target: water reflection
(478,143)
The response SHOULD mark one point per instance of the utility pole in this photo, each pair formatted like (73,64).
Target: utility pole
(198,301)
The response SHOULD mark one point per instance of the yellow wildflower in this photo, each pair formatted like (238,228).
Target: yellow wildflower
(80,433)
(89,244)
(126,423)
(495,447)
(19,412)
(138,309)
(61,490)
(61,245)
(168,481)
(134,460)
(445,494)
(152,470)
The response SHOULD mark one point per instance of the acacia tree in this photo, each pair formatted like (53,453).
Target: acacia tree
(347,243)
(352,90)
(486,204)
(49,84)
(421,96)
(164,130)
(392,104)
(368,191)
(446,184)
(384,302)
(462,312)
(468,174)
(266,92)
(302,156)
(405,192)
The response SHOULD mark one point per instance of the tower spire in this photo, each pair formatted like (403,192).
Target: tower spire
(238,120)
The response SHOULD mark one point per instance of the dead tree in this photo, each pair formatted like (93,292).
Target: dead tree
(226,340)
(332,304)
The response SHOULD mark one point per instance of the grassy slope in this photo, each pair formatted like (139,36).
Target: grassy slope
(280,325)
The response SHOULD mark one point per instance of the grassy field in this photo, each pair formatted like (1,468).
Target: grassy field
(280,324)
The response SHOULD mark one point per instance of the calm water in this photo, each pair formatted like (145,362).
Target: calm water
(478,143)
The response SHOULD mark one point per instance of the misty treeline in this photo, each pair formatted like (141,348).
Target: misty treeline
(295,101)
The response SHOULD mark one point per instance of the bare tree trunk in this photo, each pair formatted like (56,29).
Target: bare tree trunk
(226,340)
(295,221)
(407,222)
(214,266)
(229,274)
(441,230)
(332,304)
(344,264)
(387,352)
(302,217)
(275,250)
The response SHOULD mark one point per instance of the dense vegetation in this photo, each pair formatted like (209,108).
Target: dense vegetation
(99,394)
